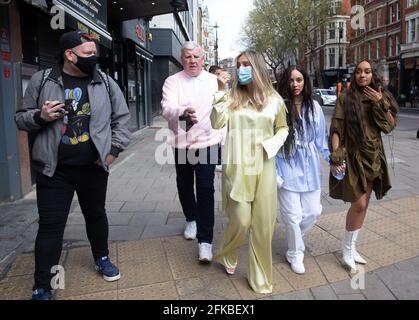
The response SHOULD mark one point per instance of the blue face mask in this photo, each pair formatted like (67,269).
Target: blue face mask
(245,75)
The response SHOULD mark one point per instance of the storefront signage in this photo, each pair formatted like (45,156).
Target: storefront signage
(7,73)
(139,31)
(92,10)
(89,16)
(5,53)
(84,28)
(5,56)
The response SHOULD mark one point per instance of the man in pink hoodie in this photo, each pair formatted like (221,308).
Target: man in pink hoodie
(187,105)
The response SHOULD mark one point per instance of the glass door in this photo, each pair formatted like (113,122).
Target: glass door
(140,92)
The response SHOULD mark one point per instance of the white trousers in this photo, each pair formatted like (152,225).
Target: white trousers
(299,212)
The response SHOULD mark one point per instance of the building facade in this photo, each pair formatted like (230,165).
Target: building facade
(29,39)
(391,40)
(327,51)
(409,48)
(380,40)
(208,38)
(169,32)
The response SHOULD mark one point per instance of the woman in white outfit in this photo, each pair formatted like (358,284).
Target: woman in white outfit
(297,163)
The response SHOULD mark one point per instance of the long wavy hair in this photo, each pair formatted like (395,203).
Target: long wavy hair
(307,107)
(354,119)
(262,85)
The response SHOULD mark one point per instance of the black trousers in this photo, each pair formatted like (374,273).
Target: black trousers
(54,197)
(197,164)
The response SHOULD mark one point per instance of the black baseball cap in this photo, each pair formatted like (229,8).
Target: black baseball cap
(72,39)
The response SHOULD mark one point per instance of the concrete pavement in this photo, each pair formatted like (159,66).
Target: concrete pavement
(146,224)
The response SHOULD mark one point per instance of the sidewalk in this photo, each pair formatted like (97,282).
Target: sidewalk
(146,225)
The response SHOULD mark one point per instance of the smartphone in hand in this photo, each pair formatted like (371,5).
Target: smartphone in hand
(59,110)
(185,123)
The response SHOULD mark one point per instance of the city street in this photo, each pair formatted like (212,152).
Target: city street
(142,205)
(77,77)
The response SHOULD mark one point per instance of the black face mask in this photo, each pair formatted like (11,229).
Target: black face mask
(86,64)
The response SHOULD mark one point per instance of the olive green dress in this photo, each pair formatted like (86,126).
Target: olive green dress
(366,163)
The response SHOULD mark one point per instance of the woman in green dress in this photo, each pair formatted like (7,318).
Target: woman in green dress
(362,113)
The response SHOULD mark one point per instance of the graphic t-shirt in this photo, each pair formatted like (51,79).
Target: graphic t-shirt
(76,147)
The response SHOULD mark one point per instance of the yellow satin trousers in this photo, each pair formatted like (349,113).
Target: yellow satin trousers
(256,218)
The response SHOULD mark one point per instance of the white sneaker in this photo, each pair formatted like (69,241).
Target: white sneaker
(190,230)
(297,266)
(205,252)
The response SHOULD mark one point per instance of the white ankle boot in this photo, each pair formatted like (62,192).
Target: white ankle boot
(357,256)
(348,249)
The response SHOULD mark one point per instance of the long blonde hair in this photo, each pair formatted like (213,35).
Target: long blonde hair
(262,85)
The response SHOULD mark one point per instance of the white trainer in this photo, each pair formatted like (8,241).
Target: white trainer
(205,252)
(190,230)
(297,266)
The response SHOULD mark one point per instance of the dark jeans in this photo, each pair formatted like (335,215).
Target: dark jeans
(201,208)
(54,196)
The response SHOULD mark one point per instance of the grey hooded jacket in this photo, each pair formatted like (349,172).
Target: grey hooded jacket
(108,119)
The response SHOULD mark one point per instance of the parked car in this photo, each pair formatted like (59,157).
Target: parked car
(325,97)
(334,89)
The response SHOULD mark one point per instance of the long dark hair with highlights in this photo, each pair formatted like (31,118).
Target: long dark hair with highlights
(354,119)
(307,107)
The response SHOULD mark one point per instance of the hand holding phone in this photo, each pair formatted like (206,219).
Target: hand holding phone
(189,117)
(49,111)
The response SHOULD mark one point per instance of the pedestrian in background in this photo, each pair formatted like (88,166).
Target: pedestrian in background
(362,113)
(297,163)
(254,114)
(80,119)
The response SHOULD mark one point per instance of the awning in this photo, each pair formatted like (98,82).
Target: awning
(143,53)
(91,18)
(121,10)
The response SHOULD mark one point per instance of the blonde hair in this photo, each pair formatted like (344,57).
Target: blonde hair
(262,85)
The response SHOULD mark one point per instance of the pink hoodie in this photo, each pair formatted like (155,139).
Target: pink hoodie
(181,91)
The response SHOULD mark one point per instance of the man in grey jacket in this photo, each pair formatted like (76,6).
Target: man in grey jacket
(79,118)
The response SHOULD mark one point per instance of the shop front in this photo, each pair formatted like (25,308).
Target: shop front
(410,74)
(10,181)
(30,31)
(331,77)
(131,69)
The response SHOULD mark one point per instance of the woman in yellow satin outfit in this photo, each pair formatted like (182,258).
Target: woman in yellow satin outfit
(255,116)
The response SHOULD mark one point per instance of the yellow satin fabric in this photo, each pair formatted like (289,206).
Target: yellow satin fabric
(249,183)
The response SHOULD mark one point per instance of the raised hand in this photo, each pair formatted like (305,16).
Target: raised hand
(373,94)
(223,77)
